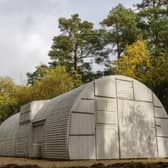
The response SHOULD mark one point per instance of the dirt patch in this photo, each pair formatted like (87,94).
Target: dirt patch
(19,166)
(101,165)
(128,165)
(13,162)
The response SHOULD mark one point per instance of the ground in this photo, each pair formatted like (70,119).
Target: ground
(8,162)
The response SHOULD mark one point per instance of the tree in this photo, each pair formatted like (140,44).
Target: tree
(23,95)
(56,82)
(153,22)
(77,44)
(135,63)
(8,103)
(159,76)
(122,26)
(39,73)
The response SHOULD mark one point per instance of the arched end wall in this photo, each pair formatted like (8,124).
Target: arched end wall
(8,130)
(117,117)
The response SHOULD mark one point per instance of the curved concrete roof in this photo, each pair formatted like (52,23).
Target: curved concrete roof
(52,105)
(9,127)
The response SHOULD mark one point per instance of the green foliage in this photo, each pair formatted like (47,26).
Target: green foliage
(39,73)
(56,82)
(8,103)
(153,15)
(77,44)
(159,78)
(122,28)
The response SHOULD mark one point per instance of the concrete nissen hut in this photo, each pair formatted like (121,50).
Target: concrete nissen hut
(110,118)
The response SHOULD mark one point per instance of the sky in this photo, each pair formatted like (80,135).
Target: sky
(27,28)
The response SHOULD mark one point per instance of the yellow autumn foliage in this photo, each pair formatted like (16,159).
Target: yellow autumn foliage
(136,61)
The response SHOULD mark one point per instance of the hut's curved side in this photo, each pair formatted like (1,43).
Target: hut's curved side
(56,128)
(8,131)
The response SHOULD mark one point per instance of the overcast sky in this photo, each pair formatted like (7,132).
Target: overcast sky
(28,26)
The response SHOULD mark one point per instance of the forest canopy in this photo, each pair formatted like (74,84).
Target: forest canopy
(127,42)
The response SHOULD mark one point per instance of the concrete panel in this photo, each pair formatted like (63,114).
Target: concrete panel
(24,117)
(162,127)
(25,112)
(121,77)
(37,134)
(85,106)
(88,91)
(82,124)
(82,147)
(107,142)
(124,89)
(141,92)
(74,147)
(105,87)
(36,106)
(87,147)
(160,112)
(156,101)
(106,117)
(22,146)
(162,146)
(106,105)
(137,133)
(146,111)
(143,110)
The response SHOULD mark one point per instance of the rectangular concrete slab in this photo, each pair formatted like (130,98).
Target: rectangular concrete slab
(162,147)
(141,92)
(82,147)
(103,104)
(82,124)
(156,101)
(22,146)
(146,111)
(162,127)
(105,87)
(106,117)
(130,109)
(107,146)
(124,89)
(137,132)
(160,112)
(88,91)
(84,106)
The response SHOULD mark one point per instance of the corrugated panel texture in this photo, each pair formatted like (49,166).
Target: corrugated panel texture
(23,139)
(8,131)
(57,124)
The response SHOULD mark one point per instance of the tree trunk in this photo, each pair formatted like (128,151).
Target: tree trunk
(75,57)
(117,43)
